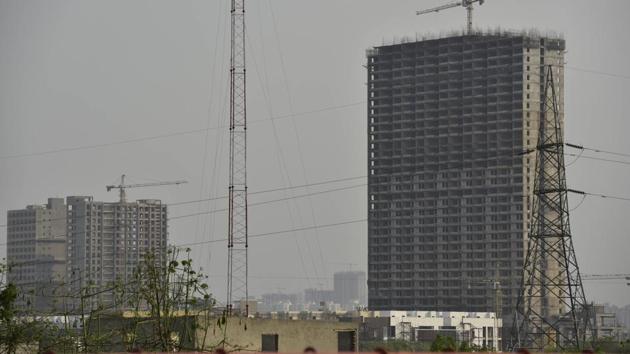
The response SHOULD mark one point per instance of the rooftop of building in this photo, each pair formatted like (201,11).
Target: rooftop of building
(495,32)
(429,314)
(89,199)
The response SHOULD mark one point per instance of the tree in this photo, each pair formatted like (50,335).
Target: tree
(167,296)
(18,328)
(156,310)
(443,344)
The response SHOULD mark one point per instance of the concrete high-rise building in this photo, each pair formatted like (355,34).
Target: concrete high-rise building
(106,241)
(36,253)
(449,190)
(350,289)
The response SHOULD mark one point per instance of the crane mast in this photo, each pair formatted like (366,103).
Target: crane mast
(237,223)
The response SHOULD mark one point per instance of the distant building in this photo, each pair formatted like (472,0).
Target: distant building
(606,324)
(447,121)
(481,329)
(318,297)
(280,302)
(622,313)
(36,253)
(350,289)
(106,241)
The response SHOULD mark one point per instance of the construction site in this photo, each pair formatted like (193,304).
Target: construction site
(465,198)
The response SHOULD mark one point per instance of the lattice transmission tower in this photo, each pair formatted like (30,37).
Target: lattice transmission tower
(237,225)
(552,311)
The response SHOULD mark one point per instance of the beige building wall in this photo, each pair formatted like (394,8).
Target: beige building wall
(293,335)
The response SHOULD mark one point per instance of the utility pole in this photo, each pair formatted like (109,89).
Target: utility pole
(498,304)
(551,310)
(237,223)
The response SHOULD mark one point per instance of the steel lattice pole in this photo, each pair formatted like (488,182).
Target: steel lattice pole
(552,311)
(237,224)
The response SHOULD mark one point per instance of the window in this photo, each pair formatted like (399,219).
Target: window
(346,341)
(269,343)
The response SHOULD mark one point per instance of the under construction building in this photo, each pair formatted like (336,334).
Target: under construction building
(449,189)
(106,241)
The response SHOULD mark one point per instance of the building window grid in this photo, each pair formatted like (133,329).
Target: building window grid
(389,151)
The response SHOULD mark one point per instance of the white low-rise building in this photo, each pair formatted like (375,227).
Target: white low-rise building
(481,329)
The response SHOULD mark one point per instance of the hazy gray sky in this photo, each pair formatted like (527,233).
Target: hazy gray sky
(79,73)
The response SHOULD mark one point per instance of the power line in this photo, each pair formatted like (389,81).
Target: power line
(194,131)
(270,201)
(274,233)
(277,277)
(201,224)
(280,156)
(260,235)
(606,276)
(580,147)
(598,159)
(608,196)
(590,71)
(297,137)
(272,190)
(252,204)
(256,192)
(168,135)
(95,146)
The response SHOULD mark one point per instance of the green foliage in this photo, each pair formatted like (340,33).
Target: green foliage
(167,298)
(440,344)
(17,330)
(465,347)
(172,293)
(611,345)
(8,296)
(443,344)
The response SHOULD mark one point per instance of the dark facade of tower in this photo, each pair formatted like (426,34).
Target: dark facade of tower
(449,190)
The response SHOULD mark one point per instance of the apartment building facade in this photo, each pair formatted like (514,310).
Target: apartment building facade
(36,253)
(449,189)
(106,241)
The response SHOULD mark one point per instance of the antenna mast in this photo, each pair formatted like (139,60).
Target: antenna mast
(237,224)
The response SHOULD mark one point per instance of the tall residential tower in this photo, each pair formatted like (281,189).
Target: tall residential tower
(449,190)
(106,241)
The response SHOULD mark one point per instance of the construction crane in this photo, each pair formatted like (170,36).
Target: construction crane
(606,277)
(468,4)
(122,186)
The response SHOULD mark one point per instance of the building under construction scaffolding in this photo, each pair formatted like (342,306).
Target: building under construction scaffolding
(449,191)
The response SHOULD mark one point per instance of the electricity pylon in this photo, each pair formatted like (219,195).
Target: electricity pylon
(552,311)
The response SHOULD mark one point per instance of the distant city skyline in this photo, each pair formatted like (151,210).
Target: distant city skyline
(88,84)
